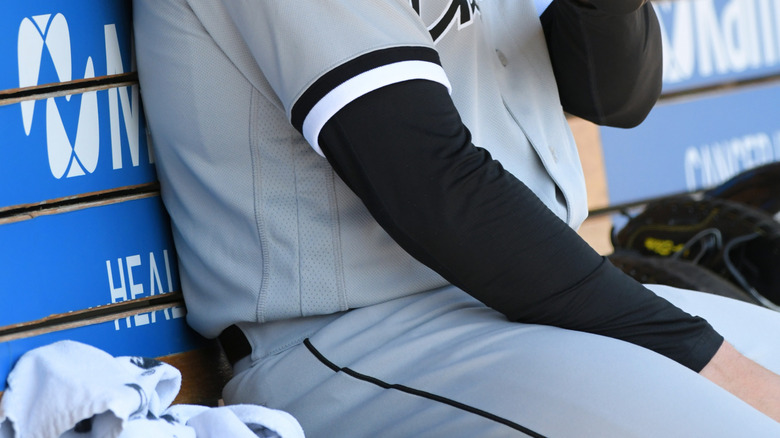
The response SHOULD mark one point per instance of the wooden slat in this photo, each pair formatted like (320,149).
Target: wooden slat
(78,202)
(204,373)
(152,188)
(43,91)
(91,316)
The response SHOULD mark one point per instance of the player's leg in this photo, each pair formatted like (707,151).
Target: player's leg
(460,369)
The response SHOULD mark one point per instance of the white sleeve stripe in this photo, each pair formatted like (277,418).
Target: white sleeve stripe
(365,83)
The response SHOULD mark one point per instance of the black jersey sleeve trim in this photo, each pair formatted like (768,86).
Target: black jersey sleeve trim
(362,84)
(363,63)
(418,392)
(405,152)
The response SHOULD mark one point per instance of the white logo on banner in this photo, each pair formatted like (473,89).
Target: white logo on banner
(65,158)
(119,287)
(706,38)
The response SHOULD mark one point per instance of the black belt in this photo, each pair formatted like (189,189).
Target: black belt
(235,344)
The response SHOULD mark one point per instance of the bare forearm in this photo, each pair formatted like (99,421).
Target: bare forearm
(746,379)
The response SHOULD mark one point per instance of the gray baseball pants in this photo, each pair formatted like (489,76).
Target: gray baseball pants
(441,364)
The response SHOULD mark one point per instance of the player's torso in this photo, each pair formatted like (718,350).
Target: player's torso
(495,55)
(314,247)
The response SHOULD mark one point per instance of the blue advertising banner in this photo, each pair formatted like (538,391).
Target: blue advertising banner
(69,145)
(707,42)
(167,336)
(80,259)
(48,41)
(691,144)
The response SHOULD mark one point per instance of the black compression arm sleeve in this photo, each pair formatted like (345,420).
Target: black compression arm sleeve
(404,151)
(606,58)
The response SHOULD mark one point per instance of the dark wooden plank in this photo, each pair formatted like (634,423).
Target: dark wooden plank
(204,373)
(44,91)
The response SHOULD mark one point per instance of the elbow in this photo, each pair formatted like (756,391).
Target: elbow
(629,115)
(628,122)
(625,88)
(629,105)
(634,108)
(621,107)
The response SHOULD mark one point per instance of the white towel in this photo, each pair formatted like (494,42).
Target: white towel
(69,389)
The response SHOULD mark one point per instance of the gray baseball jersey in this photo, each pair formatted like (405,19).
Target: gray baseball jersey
(243,99)
(301,242)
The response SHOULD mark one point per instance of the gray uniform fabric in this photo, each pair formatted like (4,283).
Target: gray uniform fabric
(301,243)
(550,381)
(270,239)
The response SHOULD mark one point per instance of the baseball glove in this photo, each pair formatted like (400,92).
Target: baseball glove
(735,241)
(758,187)
(676,272)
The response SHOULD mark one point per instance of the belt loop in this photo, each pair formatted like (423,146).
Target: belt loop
(235,344)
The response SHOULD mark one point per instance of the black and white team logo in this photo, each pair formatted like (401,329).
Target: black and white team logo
(461,12)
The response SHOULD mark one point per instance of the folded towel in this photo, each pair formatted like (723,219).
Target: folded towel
(69,389)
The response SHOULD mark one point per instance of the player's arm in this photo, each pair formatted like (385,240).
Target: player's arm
(372,96)
(405,152)
(606,55)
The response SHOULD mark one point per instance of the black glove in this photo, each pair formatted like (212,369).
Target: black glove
(736,241)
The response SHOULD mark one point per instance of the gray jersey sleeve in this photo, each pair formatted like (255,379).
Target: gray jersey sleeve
(351,48)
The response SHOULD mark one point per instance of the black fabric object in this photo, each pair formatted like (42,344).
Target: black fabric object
(405,152)
(736,241)
(606,59)
(758,187)
(676,272)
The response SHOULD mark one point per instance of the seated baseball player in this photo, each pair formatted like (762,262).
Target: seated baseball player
(375,202)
